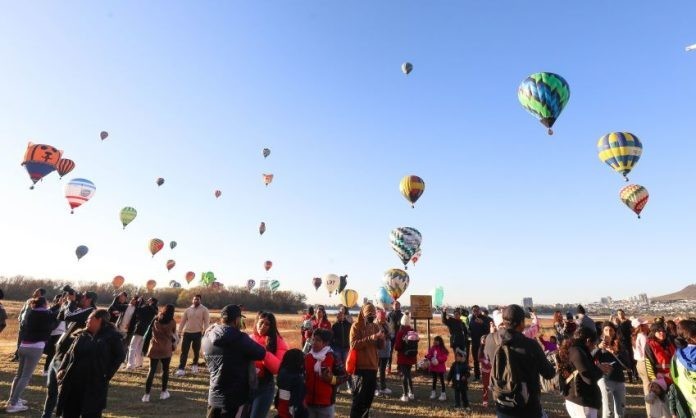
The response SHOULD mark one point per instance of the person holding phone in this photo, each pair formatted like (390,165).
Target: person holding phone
(612,385)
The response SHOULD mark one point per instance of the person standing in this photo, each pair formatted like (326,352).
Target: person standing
(459,378)
(144,315)
(437,355)
(290,398)
(266,335)
(640,340)
(230,355)
(306,326)
(459,336)
(341,342)
(193,323)
(383,354)
(159,345)
(406,356)
(479,325)
(319,377)
(582,320)
(91,362)
(3,314)
(613,385)
(659,351)
(125,324)
(118,306)
(625,333)
(366,337)
(394,320)
(37,293)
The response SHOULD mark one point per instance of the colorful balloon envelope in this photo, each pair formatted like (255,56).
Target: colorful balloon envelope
(117,281)
(620,151)
(331,281)
(396,282)
(635,197)
(190,276)
(544,95)
(342,283)
(208,278)
(103,135)
(275,284)
(160,181)
(406,68)
(172,244)
(268,264)
(383,299)
(156,245)
(40,160)
(412,187)
(405,241)
(81,251)
(216,285)
(416,257)
(438,296)
(151,284)
(266,152)
(250,284)
(262,228)
(174,284)
(348,297)
(64,166)
(79,191)
(170,264)
(267,179)
(127,215)
(218,193)
(316,282)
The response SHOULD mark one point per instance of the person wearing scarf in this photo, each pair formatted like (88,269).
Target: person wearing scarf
(320,380)
(366,337)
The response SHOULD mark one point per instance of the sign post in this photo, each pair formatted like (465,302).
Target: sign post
(422,308)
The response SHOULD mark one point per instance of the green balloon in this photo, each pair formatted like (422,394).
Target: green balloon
(127,215)
(207,278)
(275,284)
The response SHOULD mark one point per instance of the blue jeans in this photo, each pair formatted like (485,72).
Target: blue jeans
(52,394)
(340,357)
(263,399)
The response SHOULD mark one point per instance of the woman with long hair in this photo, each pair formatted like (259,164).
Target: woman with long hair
(640,340)
(578,374)
(658,355)
(160,342)
(612,385)
(406,356)
(266,335)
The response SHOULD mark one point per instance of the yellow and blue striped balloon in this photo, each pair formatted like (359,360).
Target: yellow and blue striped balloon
(620,150)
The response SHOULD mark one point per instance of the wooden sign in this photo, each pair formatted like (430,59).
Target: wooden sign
(421,307)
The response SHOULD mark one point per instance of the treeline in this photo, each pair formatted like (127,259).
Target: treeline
(20,288)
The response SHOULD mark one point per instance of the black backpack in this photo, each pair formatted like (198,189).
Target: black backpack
(510,393)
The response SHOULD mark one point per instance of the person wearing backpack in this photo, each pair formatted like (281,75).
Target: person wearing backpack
(516,364)
(406,346)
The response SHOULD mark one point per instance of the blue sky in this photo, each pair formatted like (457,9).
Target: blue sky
(192,92)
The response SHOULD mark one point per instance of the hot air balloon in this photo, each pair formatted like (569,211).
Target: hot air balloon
(412,187)
(218,193)
(405,241)
(382,298)
(40,160)
(127,215)
(190,276)
(81,251)
(216,285)
(268,264)
(250,284)
(170,264)
(267,179)
(64,166)
(160,181)
(117,281)
(348,298)
(342,283)
(331,281)
(316,282)
(156,245)
(79,191)
(620,151)
(691,48)
(406,68)
(438,296)
(151,285)
(174,284)
(266,152)
(544,95)
(635,197)
(262,228)
(275,284)
(172,244)
(207,278)
(416,257)
(104,135)
(396,282)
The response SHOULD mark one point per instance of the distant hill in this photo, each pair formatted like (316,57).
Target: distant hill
(688,293)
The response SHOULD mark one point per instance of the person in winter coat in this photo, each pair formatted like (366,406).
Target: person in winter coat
(437,355)
(144,314)
(306,325)
(3,313)
(266,335)
(87,369)
(118,307)
(366,337)
(319,321)
(459,378)
(579,375)
(125,324)
(394,320)
(485,365)
(479,325)
(682,393)
(160,342)
(384,354)
(36,331)
(230,355)
(613,385)
(320,380)
(340,344)
(459,334)
(658,356)
(290,397)
(406,357)
(641,329)
(582,320)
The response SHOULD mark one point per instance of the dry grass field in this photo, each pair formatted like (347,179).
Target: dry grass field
(189,393)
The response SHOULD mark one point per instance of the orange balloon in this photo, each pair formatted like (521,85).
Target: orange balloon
(170,264)
(267,265)
(118,281)
(190,276)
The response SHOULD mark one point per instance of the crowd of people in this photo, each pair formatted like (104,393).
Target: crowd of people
(587,362)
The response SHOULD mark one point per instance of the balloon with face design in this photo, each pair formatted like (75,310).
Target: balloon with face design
(40,160)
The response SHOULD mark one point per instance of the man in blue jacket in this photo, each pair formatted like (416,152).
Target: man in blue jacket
(230,355)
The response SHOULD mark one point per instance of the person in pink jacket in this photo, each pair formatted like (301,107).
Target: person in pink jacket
(266,335)
(437,355)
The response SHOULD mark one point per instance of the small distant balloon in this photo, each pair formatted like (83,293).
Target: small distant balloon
(216,285)
(275,284)
(342,283)
(174,284)
(262,228)
(250,284)
(412,187)
(81,251)
(267,179)
(208,278)
(172,244)
(691,48)
(170,264)
(156,245)
(416,257)
(103,135)
(64,166)
(160,181)
(127,215)
(348,297)
(316,282)
(544,95)
(79,191)
(190,276)
(635,197)
(218,193)
(118,281)
(438,295)
(151,285)
(268,264)
(406,68)
(331,281)
(266,152)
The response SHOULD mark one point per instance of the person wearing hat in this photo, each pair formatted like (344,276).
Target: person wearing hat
(640,337)
(230,355)
(583,320)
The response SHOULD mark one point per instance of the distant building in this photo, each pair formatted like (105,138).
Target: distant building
(527,303)
(264,285)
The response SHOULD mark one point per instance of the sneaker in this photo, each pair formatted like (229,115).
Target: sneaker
(433,395)
(146,397)
(443,396)
(22,401)
(468,410)
(10,409)
(405,398)
(377,392)
(164,395)
(194,369)
(386,391)
(179,373)
(411,396)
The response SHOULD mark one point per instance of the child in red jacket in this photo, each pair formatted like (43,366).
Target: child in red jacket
(437,354)
(320,380)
